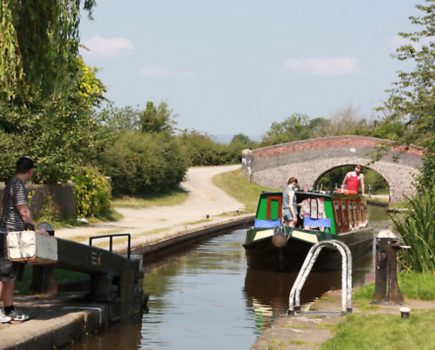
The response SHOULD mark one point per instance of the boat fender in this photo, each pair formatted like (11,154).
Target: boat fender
(279,239)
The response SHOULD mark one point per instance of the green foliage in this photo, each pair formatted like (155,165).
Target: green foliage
(335,176)
(417,285)
(157,119)
(238,143)
(118,120)
(49,211)
(242,141)
(10,59)
(10,151)
(293,128)
(426,178)
(417,228)
(60,131)
(300,127)
(410,106)
(144,163)
(92,192)
(38,46)
(203,150)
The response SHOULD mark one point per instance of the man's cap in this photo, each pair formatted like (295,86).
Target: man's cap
(25,163)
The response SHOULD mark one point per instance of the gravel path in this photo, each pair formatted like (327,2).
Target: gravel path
(146,224)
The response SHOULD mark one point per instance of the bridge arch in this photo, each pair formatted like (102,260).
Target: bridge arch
(309,159)
(319,183)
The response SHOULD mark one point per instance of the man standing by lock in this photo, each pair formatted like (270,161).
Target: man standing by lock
(16,216)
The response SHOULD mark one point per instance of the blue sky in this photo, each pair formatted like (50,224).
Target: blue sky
(228,67)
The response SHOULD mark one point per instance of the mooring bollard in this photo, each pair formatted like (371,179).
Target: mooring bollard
(387,289)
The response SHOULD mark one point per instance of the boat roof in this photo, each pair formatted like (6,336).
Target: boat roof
(306,194)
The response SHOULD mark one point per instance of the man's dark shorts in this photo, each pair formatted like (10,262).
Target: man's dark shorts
(9,270)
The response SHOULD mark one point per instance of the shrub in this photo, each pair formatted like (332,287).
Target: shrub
(417,228)
(145,163)
(92,192)
(203,150)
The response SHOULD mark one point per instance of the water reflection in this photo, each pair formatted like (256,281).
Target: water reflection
(267,293)
(203,296)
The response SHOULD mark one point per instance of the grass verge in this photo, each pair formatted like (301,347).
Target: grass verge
(363,331)
(412,285)
(382,331)
(237,185)
(173,197)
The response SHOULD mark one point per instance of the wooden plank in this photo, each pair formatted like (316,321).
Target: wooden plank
(28,246)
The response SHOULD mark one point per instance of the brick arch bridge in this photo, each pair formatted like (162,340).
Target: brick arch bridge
(309,159)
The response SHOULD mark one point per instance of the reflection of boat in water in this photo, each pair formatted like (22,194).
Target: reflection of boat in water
(272,247)
(267,292)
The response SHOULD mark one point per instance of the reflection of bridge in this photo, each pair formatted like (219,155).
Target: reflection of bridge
(309,159)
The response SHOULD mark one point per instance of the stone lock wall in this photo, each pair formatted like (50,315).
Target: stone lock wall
(309,159)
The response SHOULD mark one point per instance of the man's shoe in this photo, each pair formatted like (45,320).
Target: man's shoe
(4,318)
(18,316)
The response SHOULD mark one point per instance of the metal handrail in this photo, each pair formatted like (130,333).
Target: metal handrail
(346,275)
(111,236)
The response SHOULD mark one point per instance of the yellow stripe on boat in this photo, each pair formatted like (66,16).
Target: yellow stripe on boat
(305,236)
(263,234)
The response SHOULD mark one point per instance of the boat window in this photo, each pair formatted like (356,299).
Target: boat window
(337,213)
(345,216)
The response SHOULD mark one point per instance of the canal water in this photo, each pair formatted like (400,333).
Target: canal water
(204,297)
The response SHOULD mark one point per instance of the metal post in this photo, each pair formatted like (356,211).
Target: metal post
(387,290)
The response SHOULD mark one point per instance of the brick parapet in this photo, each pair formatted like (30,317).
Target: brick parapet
(323,143)
(308,160)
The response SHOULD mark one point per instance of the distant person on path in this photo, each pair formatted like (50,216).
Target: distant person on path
(289,203)
(16,216)
(352,181)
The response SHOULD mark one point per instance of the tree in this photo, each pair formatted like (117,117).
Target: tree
(410,107)
(411,101)
(157,119)
(38,46)
(120,119)
(241,139)
(293,128)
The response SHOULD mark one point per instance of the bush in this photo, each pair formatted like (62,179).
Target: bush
(418,230)
(92,192)
(203,150)
(145,163)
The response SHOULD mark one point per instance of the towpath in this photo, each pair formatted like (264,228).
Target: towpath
(206,204)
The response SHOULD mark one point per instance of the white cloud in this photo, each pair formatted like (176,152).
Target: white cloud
(324,66)
(158,71)
(108,47)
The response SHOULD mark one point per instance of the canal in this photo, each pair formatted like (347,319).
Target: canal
(204,297)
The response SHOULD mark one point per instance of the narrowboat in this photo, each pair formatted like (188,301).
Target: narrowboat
(270,246)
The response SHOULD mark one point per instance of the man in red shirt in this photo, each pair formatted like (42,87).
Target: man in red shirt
(353,180)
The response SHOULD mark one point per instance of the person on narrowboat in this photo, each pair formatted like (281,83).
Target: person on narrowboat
(289,203)
(352,181)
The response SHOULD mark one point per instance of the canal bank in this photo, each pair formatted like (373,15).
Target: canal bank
(317,324)
(62,320)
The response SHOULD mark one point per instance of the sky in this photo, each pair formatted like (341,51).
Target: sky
(236,66)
